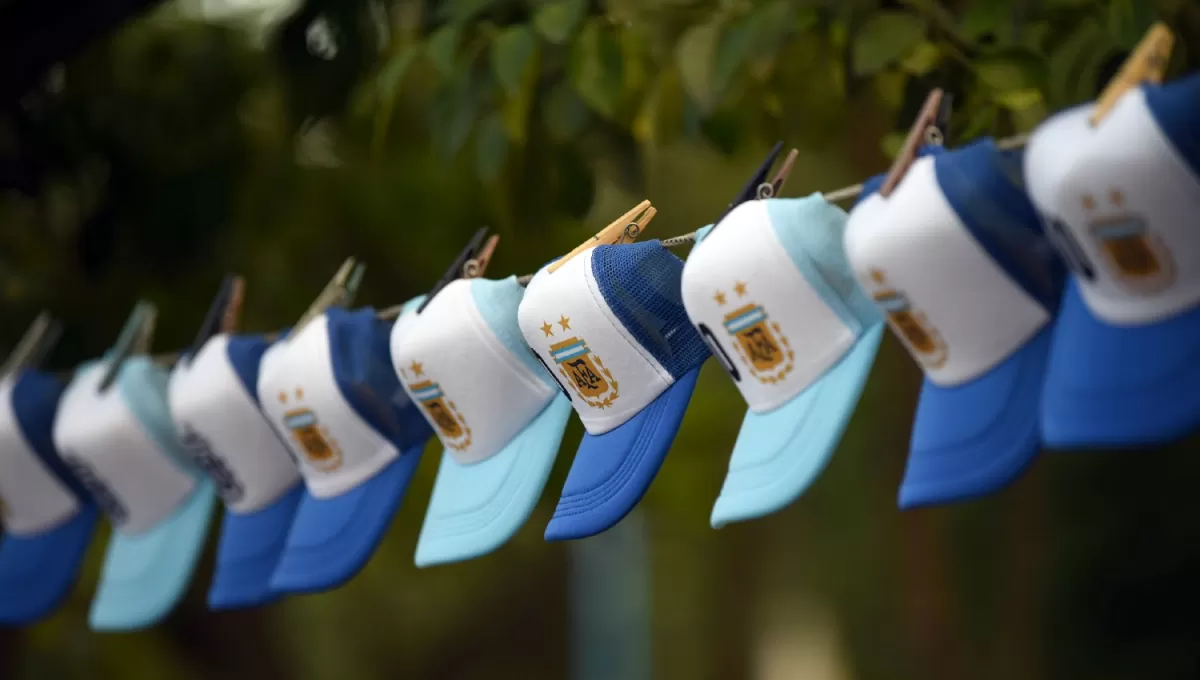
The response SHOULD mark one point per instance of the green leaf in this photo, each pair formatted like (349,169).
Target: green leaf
(660,118)
(1019,100)
(1073,66)
(442,48)
(491,147)
(566,115)
(891,143)
(596,68)
(923,59)
(556,21)
(887,37)
(889,88)
(462,11)
(990,17)
(393,71)
(1128,21)
(1011,70)
(453,112)
(695,55)
(512,52)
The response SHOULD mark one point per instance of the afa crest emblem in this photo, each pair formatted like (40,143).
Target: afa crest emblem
(1133,253)
(320,449)
(911,325)
(585,372)
(760,342)
(444,414)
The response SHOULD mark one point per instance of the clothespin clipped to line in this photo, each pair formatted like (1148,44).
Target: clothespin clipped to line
(758,187)
(624,229)
(468,257)
(223,313)
(135,338)
(33,347)
(338,292)
(929,128)
(1146,64)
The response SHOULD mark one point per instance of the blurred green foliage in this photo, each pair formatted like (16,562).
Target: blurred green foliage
(179,149)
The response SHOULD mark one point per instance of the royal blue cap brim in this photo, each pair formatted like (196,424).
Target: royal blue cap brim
(476,508)
(780,453)
(1112,386)
(249,550)
(972,439)
(612,471)
(37,571)
(144,576)
(332,538)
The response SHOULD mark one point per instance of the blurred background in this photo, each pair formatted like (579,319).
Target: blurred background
(147,148)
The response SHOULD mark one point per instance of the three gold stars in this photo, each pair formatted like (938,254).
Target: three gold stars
(417,368)
(565,322)
(547,328)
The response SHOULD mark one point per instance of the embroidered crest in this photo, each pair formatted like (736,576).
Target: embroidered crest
(1136,257)
(319,448)
(444,414)
(760,342)
(910,325)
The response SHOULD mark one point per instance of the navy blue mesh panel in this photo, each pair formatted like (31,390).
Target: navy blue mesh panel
(641,284)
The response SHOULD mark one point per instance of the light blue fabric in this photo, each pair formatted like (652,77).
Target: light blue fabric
(145,576)
(497,302)
(779,454)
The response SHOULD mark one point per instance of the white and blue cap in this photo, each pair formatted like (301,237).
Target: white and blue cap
(214,400)
(609,325)
(771,292)
(48,517)
(333,397)
(121,444)
(1121,200)
(956,260)
(499,415)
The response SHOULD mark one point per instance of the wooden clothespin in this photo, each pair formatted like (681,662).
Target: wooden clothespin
(232,317)
(476,266)
(352,284)
(780,177)
(223,313)
(928,127)
(1146,64)
(41,337)
(758,187)
(333,294)
(134,339)
(458,266)
(624,229)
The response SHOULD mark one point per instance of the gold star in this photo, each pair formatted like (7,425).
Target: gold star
(299,393)
(547,328)
(719,297)
(283,397)
(1088,202)
(417,369)
(1116,197)
(739,288)
(877,276)
(565,322)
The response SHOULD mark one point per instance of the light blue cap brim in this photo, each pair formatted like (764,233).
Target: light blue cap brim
(1113,386)
(250,548)
(612,471)
(37,572)
(476,508)
(332,539)
(780,453)
(972,439)
(145,576)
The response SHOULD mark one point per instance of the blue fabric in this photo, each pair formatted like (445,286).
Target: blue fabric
(972,439)
(1120,385)
(979,184)
(640,283)
(37,571)
(780,453)
(497,302)
(1174,106)
(612,471)
(333,538)
(245,354)
(250,548)
(476,508)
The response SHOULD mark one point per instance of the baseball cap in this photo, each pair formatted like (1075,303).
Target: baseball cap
(773,295)
(214,401)
(48,517)
(611,323)
(1120,199)
(956,260)
(122,446)
(499,415)
(333,397)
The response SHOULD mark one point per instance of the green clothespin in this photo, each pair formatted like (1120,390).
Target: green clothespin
(337,292)
(35,345)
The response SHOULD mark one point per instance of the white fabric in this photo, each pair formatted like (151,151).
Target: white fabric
(744,265)
(103,442)
(336,447)
(223,429)
(919,262)
(453,365)
(35,500)
(629,377)
(1126,196)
